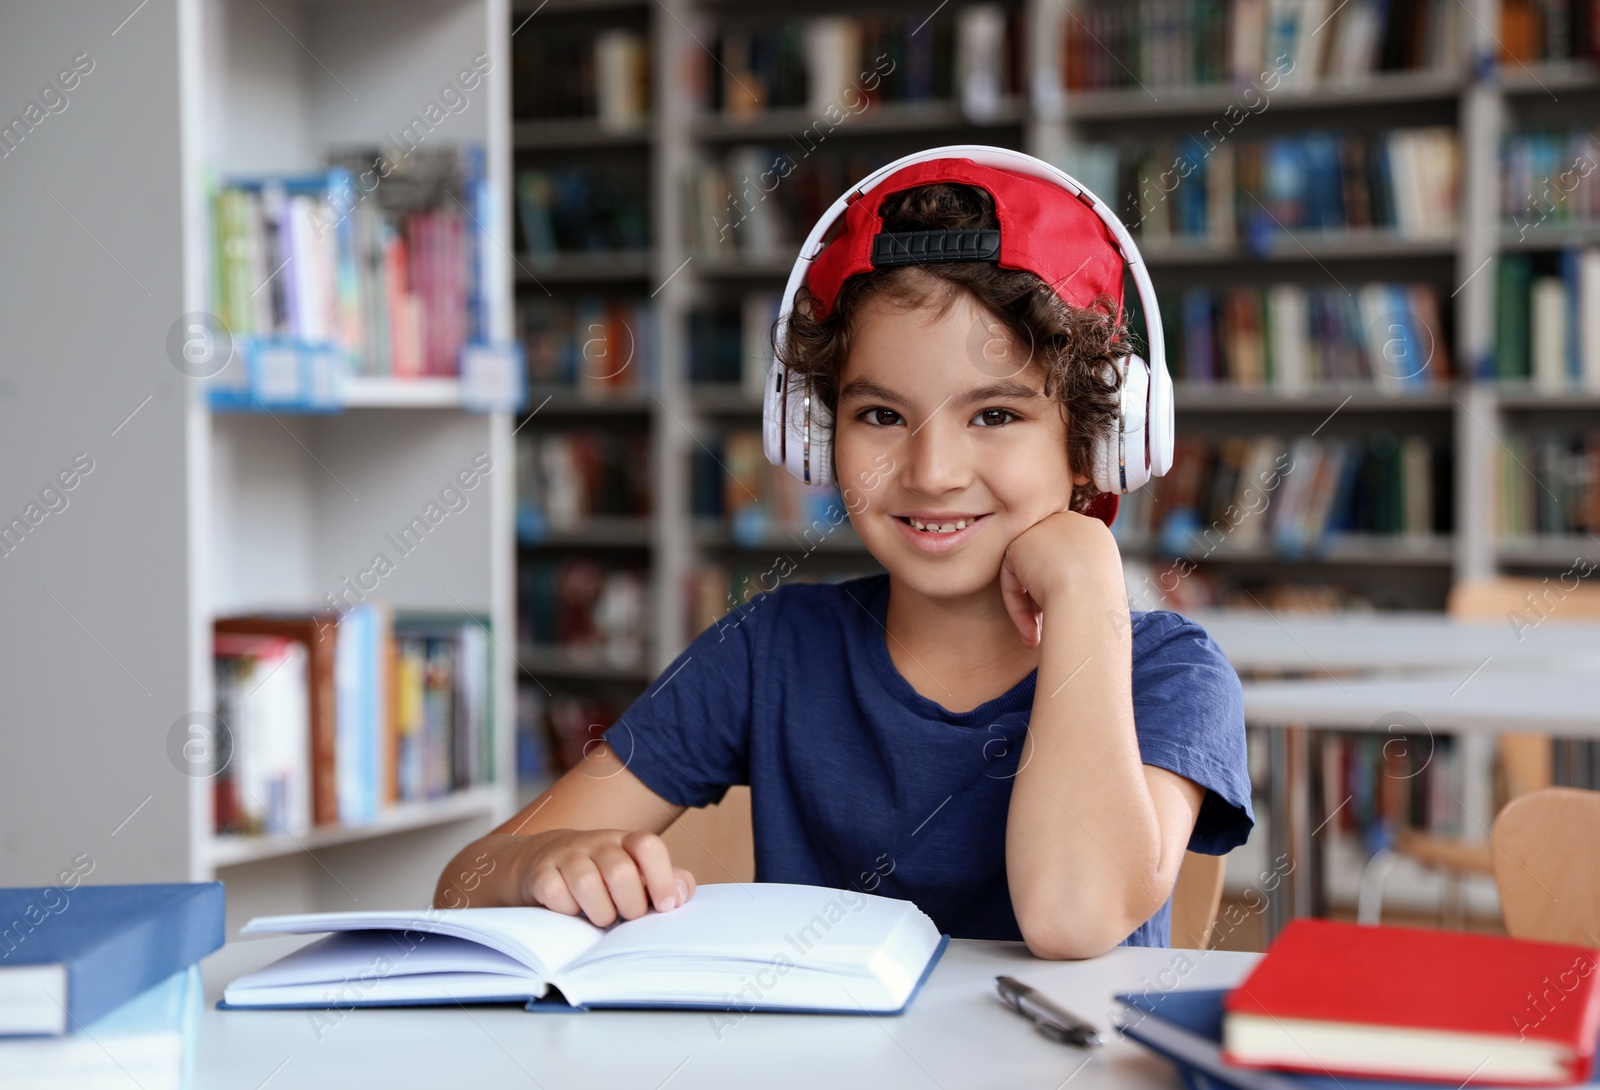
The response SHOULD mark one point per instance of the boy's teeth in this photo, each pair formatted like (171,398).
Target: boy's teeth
(940,527)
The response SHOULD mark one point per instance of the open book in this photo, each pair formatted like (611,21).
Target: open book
(744,946)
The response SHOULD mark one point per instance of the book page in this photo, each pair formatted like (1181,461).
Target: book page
(805,947)
(541,939)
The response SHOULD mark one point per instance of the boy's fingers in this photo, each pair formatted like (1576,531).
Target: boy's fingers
(685,883)
(622,879)
(549,890)
(589,889)
(654,861)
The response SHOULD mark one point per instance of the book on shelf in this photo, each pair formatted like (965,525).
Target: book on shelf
(833,66)
(731,345)
(263,757)
(1545,172)
(1548,483)
(1291,338)
(1231,495)
(581,209)
(441,738)
(332,717)
(582,72)
(622,79)
(1395,781)
(566,478)
(598,615)
(596,345)
(823,950)
(759,201)
(75,953)
(535,755)
(1532,31)
(1219,190)
(1108,45)
(375,267)
(1547,320)
(732,481)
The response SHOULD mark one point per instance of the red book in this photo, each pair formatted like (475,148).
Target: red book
(1407,1003)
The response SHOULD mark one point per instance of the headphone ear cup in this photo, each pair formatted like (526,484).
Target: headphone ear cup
(1121,461)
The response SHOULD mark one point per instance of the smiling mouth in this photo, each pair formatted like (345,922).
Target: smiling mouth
(933,529)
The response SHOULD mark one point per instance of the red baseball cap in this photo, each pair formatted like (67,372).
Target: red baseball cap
(1043,230)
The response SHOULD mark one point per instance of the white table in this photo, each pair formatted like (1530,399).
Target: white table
(1376,642)
(957,1034)
(1550,700)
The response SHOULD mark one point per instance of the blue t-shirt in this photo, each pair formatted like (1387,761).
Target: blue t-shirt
(858,781)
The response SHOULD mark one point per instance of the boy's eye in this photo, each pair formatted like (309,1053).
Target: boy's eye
(988,416)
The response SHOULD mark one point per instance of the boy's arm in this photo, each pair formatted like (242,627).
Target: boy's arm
(589,843)
(1094,837)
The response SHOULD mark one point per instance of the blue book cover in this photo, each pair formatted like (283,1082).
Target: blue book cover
(69,956)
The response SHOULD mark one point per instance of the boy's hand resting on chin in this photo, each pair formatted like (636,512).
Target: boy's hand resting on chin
(604,874)
(1047,558)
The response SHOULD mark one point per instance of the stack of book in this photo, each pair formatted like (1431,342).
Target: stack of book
(375,267)
(329,718)
(1389,1007)
(595,614)
(1291,338)
(596,345)
(1220,189)
(1241,494)
(837,65)
(579,73)
(102,986)
(566,478)
(1180,43)
(1547,315)
(1549,483)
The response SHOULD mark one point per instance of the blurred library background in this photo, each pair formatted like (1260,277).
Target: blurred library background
(469,304)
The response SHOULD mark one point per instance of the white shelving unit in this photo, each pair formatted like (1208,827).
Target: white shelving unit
(191,514)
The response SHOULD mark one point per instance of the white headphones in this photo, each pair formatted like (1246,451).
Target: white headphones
(798,429)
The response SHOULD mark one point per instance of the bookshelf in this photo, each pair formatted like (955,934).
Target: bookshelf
(203,513)
(1454,87)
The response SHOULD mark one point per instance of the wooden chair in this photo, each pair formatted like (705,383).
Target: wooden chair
(716,844)
(1522,761)
(1547,866)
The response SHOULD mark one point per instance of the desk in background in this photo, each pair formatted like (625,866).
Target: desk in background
(1548,698)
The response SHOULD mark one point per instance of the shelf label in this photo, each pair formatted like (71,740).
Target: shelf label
(493,377)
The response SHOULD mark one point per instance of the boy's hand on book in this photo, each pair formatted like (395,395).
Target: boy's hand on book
(604,874)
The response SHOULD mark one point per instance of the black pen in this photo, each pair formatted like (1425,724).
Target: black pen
(1053,1021)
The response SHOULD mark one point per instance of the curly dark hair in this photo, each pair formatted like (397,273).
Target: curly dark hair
(1074,346)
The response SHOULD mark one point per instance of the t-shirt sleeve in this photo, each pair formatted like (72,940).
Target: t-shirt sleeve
(688,736)
(1188,710)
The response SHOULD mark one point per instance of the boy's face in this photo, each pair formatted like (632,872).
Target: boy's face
(946,417)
